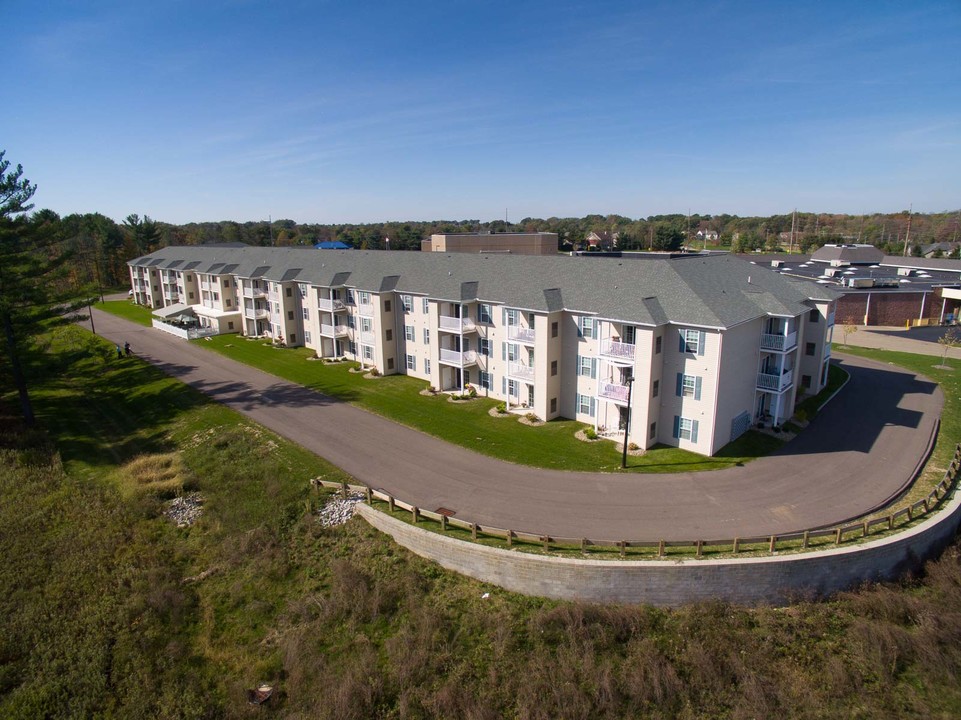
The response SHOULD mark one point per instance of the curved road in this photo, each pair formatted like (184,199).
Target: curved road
(855,455)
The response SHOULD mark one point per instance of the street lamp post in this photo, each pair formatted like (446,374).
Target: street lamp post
(627,420)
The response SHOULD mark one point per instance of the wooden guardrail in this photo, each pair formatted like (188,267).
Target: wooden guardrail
(839,534)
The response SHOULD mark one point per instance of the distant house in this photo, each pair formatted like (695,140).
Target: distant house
(332,245)
(602,240)
(946,248)
(708,235)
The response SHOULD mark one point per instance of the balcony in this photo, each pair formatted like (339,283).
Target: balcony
(517,370)
(366,310)
(455,357)
(333,330)
(250,292)
(516,333)
(256,313)
(778,343)
(775,383)
(618,350)
(613,391)
(455,324)
(330,305)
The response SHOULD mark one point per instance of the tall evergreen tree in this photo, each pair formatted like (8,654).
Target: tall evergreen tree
(33,288)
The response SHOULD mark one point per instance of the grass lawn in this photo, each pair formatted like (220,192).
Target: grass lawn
(398,397)
(128,310)
(109,610)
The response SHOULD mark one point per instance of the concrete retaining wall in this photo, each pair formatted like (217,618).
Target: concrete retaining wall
(750,581)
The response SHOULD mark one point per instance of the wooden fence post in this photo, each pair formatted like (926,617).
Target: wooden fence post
(700,548)
(737,545)
(864,529)
(370,496)
(414,513)
(473,530)
(443,523)
(583,545)
(547,540)
(623,544)
(510,538)
(660,549)
(772,543)
(891,521)
(807,538)
(390,502)
(837,536)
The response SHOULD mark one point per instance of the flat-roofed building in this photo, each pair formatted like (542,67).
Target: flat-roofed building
(540,243)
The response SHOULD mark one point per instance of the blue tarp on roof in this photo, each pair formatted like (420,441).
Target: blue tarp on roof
(332,245)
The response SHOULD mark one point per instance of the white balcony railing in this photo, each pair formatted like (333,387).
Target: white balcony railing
(456,357)
(518,370)
(516,333)
(255,292)
(330,305)
(778,343)
(454,324)
(334,330)
(775,383)
(618,350)
(613,391)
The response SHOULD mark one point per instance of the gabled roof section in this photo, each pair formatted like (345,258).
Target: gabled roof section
(554,298)
(468,290)
(260,271)
(388,283)
(701,290)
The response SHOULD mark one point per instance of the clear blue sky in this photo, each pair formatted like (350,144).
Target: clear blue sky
(356,111)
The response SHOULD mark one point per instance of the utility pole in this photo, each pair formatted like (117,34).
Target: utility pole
(907,235)
(793,226)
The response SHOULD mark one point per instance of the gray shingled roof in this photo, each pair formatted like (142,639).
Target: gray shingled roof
(713,291)
(857,254)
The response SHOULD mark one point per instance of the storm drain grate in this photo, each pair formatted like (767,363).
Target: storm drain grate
(446,512)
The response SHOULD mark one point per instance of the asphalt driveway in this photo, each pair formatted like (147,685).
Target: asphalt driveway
(857,454)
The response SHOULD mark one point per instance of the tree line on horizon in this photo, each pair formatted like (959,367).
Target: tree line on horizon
(105,246)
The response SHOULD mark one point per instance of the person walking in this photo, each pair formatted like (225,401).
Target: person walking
(126,349)
(119,352)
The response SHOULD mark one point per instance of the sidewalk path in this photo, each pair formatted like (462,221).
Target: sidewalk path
(855,455)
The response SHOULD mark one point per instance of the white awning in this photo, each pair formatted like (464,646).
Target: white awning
(212,313)
(171,310)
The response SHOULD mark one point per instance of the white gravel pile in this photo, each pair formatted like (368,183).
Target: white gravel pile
(338,510)
(185,510)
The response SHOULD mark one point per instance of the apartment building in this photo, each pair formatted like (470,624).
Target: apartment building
(693,351)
